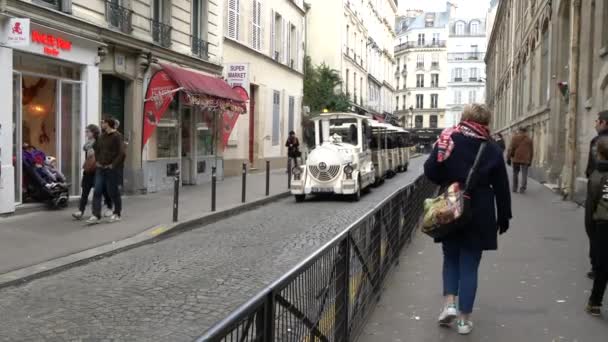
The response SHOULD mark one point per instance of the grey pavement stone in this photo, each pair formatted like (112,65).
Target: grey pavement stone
(532,289)
(32,238)
(175,289)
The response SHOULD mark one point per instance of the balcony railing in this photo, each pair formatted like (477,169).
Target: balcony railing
(457,79)
(200,48)
(420,66)
(466,56)
(119,17)
(435,66)
(419,45)
(161,33)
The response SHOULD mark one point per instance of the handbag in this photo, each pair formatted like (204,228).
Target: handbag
(90,165)
(451,211)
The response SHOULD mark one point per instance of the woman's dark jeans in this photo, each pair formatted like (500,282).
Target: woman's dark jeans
(88,182)
(106,180)
(460,265)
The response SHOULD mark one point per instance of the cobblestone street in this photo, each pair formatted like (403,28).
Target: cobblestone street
(175,289)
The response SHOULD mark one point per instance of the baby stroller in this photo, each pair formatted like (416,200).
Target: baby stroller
(37,185)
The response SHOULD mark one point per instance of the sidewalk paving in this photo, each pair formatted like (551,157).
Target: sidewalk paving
(533,289)
(36,237)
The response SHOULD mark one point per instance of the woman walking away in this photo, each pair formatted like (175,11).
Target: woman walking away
(449,162)
(597,197)
(293,149)
(88,173)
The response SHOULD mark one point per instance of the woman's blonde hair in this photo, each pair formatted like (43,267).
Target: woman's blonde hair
(478,113)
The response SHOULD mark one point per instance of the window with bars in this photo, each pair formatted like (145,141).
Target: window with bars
(233,19)
(256,25)
(419,101)
(434,100)
(420,81)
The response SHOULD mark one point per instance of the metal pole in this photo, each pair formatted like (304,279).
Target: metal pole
(288,173)
(267,178)
(244,187)
(571,129)
(175,195)
(213,187)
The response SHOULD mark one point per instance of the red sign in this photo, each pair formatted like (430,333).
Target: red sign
(52,44)
(228,122)
(161,91)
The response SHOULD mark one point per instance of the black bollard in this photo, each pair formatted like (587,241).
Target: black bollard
(175,195)
(213,187)
(267,178)
(288,173)
(243,198)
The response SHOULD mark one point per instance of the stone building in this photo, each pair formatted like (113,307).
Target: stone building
(529,59)
(356,38)
(421,74)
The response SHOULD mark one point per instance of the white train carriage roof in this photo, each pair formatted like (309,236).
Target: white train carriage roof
(340,115)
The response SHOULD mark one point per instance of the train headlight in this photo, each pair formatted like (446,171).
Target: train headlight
(348,171)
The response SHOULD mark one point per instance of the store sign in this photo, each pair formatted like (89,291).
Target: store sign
(18,32)
(238,75)
(161,91)
(52,44)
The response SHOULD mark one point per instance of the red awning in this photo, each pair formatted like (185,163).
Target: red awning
(196,83)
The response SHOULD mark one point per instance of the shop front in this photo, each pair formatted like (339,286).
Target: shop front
(51,88)
(187,118)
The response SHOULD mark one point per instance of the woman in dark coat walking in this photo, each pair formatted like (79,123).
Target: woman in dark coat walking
(449,162)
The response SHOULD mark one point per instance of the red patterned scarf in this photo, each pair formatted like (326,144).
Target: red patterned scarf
(445,144)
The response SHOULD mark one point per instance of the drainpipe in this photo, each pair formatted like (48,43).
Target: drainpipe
(571,122)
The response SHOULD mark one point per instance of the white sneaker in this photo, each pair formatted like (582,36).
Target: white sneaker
(77,215)
(465,327)
(448,315)
(114,218)
(108,213)
(93,220)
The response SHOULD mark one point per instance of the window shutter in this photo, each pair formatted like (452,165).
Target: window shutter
(66,6)
(288,44)
(232,19)
(284,42)
(255,27)
(272,34)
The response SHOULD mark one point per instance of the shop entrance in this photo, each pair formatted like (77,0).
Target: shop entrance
(47,116)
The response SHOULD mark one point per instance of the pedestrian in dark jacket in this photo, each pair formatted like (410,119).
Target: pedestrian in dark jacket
(293,149)
(500,141)
(601,126)
(597,199)
(449,162)
(520,154)
(109,154)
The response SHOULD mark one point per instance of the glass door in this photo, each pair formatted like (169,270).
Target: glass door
(17,140)
(70,133)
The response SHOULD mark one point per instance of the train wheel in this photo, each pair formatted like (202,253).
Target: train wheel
(357,195)
(300,198)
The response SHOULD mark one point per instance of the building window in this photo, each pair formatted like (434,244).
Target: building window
(457,75)
(434,100)
(420,61)
(396,103)
(277,37)
(347,78)
(419,101)
(276,114)
(435,61)
(418,121)
(433,121)
(361,91)
(434,80)
(233,19)
(475,27)
(161,16)
(200,47)
(420,81)
(436,38)
(256,25)
(118,16)
(404,102)
(347,39)
(421,39)
(355,86)
(544,67)
(472,96)
(459,28)
(60,5)
(473,74)
(457,97)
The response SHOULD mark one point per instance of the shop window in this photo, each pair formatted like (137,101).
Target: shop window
(165,142)
(205,137)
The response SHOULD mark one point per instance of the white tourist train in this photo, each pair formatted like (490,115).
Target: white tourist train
(352,153)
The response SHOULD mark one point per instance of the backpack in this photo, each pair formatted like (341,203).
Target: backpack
(601,210)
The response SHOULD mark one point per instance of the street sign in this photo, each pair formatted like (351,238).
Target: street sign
(18,32)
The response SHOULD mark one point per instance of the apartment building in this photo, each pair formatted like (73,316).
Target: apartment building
(356,38)
(154,65)
(466,48)
(422,69)
(264,41)
(531,78)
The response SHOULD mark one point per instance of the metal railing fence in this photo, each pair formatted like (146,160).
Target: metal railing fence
(329,295)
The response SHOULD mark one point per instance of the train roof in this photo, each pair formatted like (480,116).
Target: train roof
(340,115)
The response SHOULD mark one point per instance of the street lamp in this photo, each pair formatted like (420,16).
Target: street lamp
(410,117)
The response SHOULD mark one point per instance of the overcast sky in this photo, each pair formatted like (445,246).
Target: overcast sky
(465,7)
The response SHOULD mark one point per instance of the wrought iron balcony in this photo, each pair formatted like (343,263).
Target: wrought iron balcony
(161,33)
(200,48)
(420,45)
(435,66)
(466,56)
(119,17)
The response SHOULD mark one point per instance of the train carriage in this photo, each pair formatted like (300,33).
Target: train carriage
(379,153)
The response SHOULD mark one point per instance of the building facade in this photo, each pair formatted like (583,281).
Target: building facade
(89,58)
(466,48)
(267,39)
(421,74)
(361,36)
(547,69)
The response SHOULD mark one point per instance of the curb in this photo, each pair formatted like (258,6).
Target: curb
(151,235)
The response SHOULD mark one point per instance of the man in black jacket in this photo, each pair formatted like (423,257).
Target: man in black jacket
(109,154)
(601,126)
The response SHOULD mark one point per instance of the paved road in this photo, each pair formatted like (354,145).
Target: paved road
(175,289)
(532,290)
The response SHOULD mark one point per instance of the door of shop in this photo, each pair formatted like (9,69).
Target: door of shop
(113,99)
(47,116)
